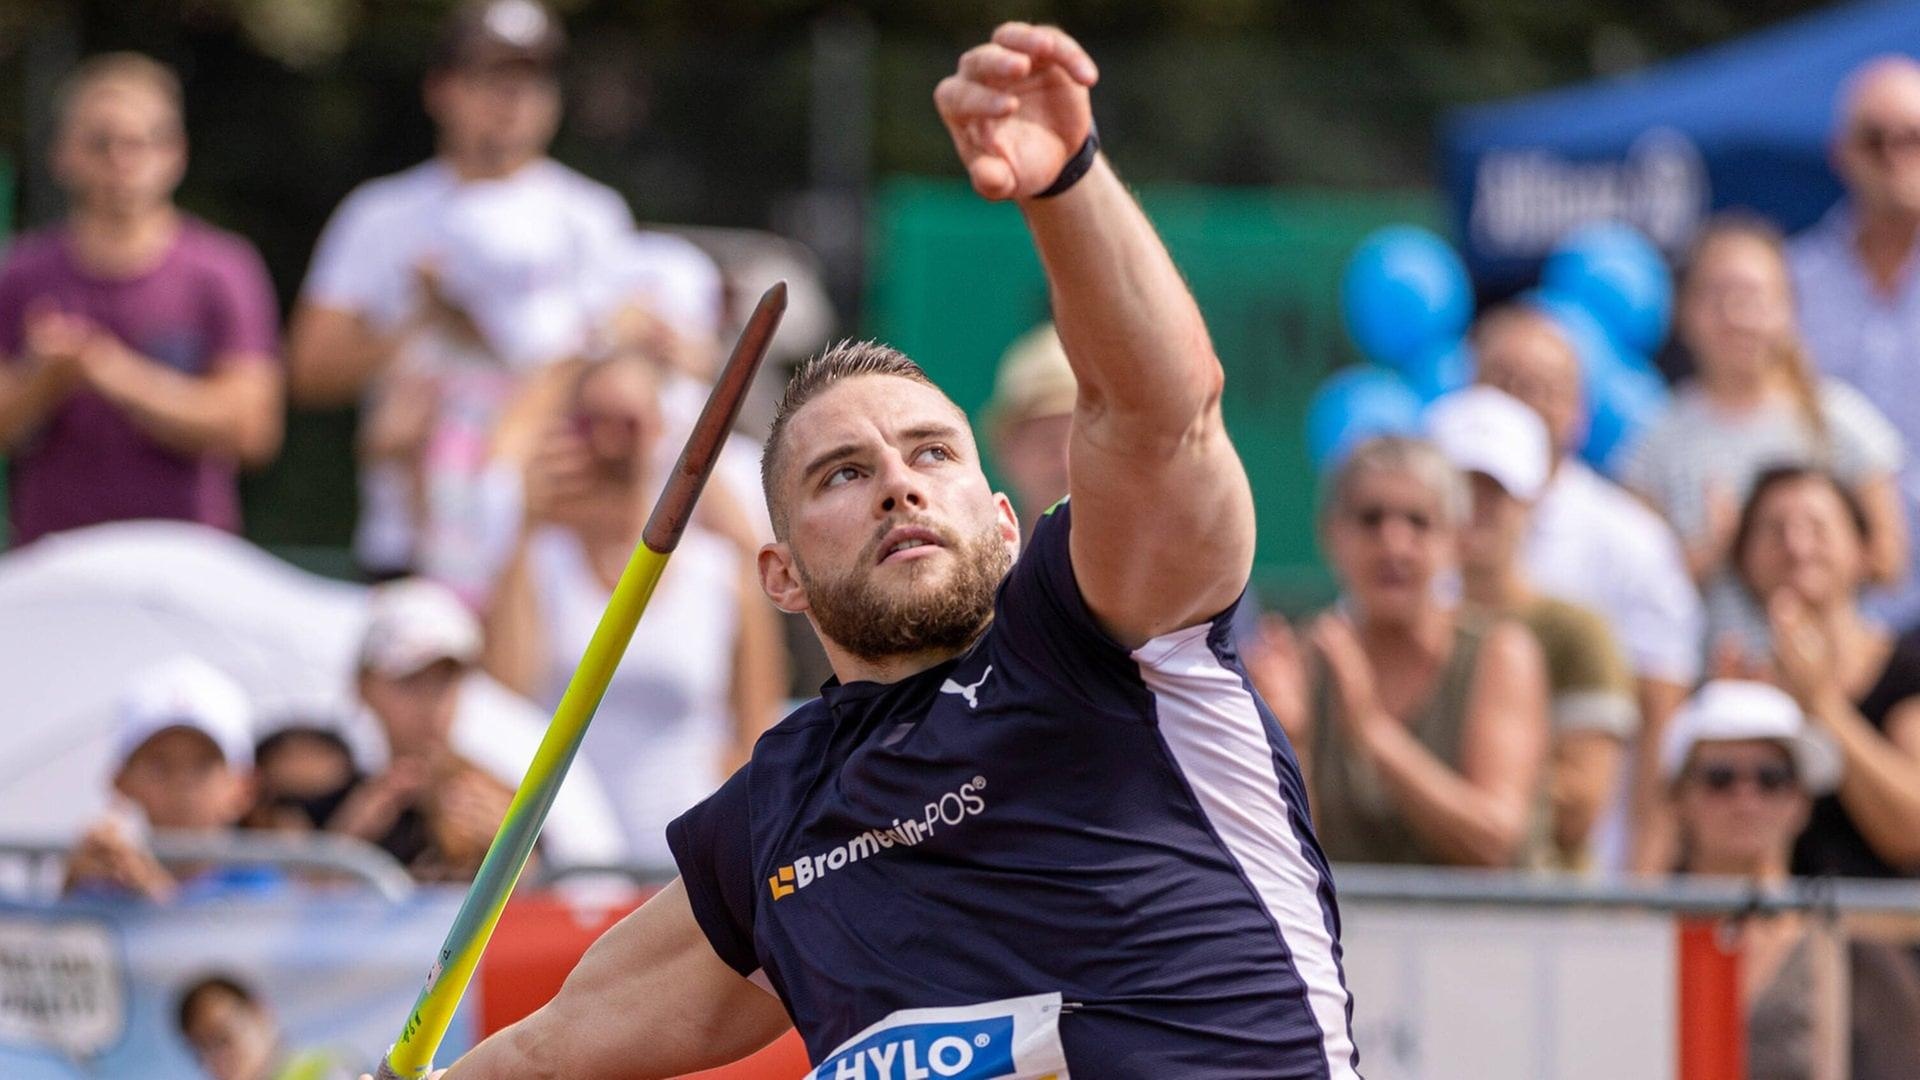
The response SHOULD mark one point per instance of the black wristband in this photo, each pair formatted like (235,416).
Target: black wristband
(1077,166)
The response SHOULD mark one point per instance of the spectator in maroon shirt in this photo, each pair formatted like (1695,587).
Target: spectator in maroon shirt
(138,345)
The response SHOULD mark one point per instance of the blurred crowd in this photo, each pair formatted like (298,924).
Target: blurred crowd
(526,362)
(1700,659)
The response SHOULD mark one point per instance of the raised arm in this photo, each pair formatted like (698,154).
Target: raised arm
(1163,517)
(649,999)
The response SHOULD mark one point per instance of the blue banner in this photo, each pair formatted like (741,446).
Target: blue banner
(94,989)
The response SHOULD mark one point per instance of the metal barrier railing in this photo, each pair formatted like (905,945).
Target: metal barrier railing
(375,869)
(345,856)
(1681,895)
(1462,887)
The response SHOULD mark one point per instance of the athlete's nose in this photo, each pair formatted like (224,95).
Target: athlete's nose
(900,488)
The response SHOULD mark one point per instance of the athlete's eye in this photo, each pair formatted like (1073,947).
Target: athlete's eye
(934,453)
(841,475)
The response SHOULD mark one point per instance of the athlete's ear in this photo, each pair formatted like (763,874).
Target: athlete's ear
(1009,521)
(779,580)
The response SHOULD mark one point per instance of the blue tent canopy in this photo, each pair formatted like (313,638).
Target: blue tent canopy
(1742,125)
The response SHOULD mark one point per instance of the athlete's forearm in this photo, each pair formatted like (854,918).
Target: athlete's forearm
(1147,429)
(1131,328)
(504,1056)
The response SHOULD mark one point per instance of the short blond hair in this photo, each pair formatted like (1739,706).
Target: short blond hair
(1406,455)
(123,69)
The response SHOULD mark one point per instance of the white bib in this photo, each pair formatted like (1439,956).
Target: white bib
(1012,1039)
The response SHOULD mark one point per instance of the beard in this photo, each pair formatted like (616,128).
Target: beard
(875,622)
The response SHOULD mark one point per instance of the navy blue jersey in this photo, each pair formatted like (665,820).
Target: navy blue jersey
(1049,854)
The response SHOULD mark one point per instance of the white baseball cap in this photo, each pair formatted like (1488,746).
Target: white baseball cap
(1733,710)
(185,692)
(414,623)
(1484,430)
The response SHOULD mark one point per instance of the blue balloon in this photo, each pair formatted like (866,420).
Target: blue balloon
(1356,404)
(1616,273)
(1404,290)
(1628,404)
(1440,370)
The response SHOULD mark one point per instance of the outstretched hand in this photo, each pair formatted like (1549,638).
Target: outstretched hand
(1018,108)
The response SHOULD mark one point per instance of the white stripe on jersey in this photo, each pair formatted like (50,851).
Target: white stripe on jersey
(1219,743)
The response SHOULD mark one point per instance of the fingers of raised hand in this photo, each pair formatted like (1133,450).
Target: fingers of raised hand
(995,65)
(1048,45)
(962,100)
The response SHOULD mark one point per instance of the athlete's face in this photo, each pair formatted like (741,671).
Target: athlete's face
(894,542)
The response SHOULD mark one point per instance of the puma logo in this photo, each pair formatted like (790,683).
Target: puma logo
(968,692)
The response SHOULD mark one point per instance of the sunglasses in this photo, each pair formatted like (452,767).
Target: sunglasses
(1769,779)
(1884,142)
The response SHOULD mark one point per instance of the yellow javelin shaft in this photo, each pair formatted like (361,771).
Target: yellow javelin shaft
(411,1056)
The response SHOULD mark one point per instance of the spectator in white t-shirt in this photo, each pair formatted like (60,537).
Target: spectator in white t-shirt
(383,304)
(1594,544)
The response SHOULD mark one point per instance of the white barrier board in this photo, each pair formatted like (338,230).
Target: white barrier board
(1466,993)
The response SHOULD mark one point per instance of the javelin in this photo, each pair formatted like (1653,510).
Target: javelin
(411,1056)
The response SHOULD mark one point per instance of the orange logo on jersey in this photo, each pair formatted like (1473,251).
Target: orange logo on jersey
(782,883)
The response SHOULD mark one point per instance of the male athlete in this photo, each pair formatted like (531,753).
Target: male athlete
(1038,825)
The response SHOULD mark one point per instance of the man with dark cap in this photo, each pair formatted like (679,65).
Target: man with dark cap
(383,318)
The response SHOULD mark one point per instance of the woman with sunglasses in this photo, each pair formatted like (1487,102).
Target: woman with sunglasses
(1756,401)
(1422,729)
(1744,768)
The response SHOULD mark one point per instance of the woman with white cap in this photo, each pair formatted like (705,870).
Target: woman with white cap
(1503,449)
(1744,769)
